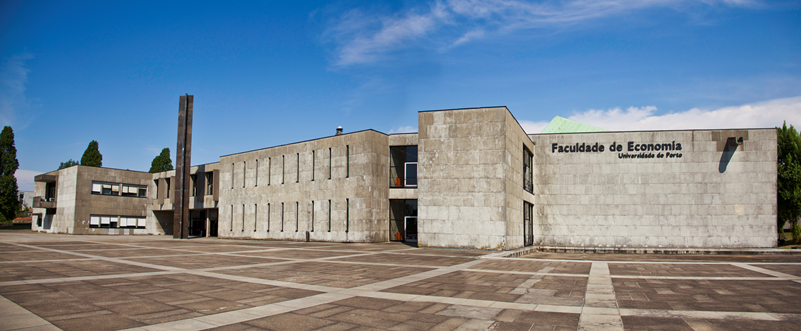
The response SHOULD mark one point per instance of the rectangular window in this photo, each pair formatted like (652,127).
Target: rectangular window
(209,183)
(329,162)
(255,216)
(297,171)
(167,182)
(243,218)
(347,161)
(282,217)
(347,215)
(312,216)
(297,216)
(312,166)
(268,217)
(257,173)
(232,218)
(329,215)
(528,160)
(107,221)
(193,178)
(403,166)
(233,169)
(269,171)
(244,173)
(116,189)
(283,166)
(528,224)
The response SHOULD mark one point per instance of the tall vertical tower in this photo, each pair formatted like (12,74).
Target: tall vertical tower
(183,164)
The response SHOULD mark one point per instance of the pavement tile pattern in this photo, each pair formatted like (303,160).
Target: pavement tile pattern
(51,282)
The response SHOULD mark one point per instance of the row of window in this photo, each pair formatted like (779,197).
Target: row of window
(283,167)
(106,221)
(297,216)
(117,189)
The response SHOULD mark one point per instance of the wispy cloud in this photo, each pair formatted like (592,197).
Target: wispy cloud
(13,78)
(403,129)
(25,179)
(764,114)
(361,37)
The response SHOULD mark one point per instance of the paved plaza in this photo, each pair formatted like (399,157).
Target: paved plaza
(50,282)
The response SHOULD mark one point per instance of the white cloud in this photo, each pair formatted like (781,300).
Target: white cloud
(403,129)
(532,127)
(13,77)
(25,179)
(360,37)
(764,114)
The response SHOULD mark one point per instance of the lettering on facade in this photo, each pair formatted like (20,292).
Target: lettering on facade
(671,150)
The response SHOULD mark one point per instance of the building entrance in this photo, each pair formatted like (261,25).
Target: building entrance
(411,229)
(403,220)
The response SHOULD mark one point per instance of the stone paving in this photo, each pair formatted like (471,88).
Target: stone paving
(50,282)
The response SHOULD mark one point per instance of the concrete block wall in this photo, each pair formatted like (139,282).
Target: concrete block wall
(251,196)
(462,178)
(516,139)
(705,198)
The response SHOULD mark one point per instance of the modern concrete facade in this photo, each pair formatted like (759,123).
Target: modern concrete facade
(471,178)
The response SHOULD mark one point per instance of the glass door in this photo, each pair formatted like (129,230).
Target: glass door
(411,228)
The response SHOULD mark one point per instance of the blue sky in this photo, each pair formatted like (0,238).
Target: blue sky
(265,73)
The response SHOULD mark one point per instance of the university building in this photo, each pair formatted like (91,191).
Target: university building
(470,178)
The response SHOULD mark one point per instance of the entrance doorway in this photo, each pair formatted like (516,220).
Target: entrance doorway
(197,223)
(403,220)
(411,228)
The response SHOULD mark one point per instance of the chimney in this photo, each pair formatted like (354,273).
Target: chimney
(339,131)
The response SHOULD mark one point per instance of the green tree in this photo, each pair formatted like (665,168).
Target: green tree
(162,162)
(9,192)
(789,178)
(92,157)
(67,164)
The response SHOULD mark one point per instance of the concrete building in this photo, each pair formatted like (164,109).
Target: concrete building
(470,178)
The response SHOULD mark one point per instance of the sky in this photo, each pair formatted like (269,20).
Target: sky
(266,73)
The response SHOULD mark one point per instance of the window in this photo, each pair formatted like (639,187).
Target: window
(312,216)
(257,173)
(527,170)
(193,178)
(127,190)
(329,162)
(347,215)
(268,217)
(347,161)
(282,217)
(244,173)
(329,215)
(297,170)
(269,171)
(209,183)
(243,218)
(297,216)
(528,224)
(108,221)
(232,218)
(255,216)
(312,166)
(283,166)
(167,184)
(233,169)
(403,166)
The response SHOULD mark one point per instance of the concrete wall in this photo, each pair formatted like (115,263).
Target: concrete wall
(707,197)
(466,163)
(251,196)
